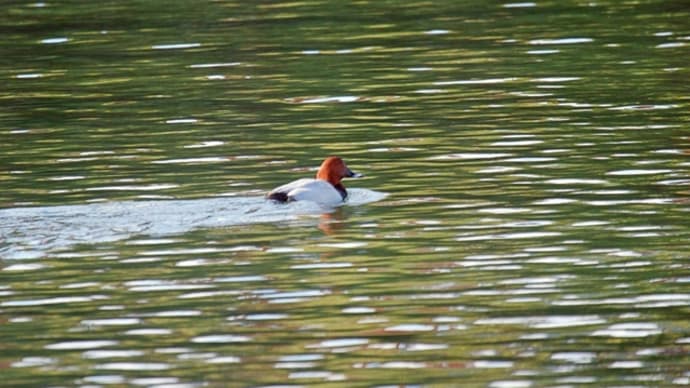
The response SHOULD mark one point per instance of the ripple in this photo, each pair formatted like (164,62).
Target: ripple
(292,296)
(24,267)
(109,353)
(322,100)
(520,5)
(80,285)
(664,297)
(321,266)
(111,322)
(547,322)
(265,316)
(155,381)
(150,187)
(358,310)
(301,357)
(555,79)
(172,313)
(173,350)
(204,160)
(508,236)
(196,263)
(497,169)
(675,182)
(644,107)
(324,375)
(638,172)
(487,81)
(208,294)
(662,300)
(554,201)
(396,365)
(562,260)
(31,362)
(575,357)
(55,40)
(175,46)
(206,144)
(149,331)
(214,65)
(393,149)
(577,181)
(224,360)
(348,244)
(516,143)
(486,264)
(538,280)
(241,279)
(510,384)
(105,379)
(181,121)
(546,249)
(430,91)
(49,301)
(649,201)
(28,76)
(589,302)
(670,45)
(410,327)
(577,380)
(543,52)
(220,339)
(167,286)
(629,330)
(560,41)
(436,32)
(505,210)
(76,345)
(340,343)
(295,365)
(196,356)
(533,159)
(626,365)
(490,364)
(134,366)
(470,156)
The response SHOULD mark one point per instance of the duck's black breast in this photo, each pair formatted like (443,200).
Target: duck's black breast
(341,189)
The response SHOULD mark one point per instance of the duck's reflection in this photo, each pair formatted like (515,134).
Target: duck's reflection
(332,223)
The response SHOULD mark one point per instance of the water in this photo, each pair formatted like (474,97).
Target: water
(522,222)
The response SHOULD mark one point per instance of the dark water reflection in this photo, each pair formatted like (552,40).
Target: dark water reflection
(535,155)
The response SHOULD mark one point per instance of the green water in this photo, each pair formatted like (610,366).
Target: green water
(534,155)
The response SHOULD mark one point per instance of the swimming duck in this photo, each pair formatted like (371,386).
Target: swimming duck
(326,189)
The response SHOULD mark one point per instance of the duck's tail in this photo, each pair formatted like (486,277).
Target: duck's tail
(278,196)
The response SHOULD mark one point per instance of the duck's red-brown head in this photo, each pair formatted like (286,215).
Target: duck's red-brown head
(333,170)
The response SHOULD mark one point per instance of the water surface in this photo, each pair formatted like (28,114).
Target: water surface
(534,155)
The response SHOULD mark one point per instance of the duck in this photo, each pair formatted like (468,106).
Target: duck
(326,189)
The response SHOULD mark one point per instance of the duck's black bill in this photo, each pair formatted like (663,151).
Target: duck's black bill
(352,174)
